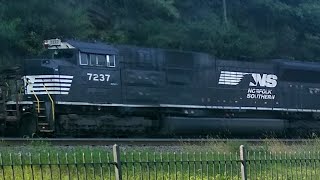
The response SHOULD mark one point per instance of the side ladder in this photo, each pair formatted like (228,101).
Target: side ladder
(45,113)
(11,113)
(44,125)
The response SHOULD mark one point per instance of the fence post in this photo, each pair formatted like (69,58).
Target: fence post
(116,159)
(243,162)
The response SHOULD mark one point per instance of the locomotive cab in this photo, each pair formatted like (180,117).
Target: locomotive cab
(73,74)
(74,65)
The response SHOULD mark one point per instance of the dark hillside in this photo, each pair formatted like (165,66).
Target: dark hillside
(257,29)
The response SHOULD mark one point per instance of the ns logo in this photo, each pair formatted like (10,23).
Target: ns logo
(266,80)
(234,78)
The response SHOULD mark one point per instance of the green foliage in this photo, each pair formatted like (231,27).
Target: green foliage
(254,28)
(25,24)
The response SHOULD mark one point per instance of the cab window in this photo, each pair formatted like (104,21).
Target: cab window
(84,60)
(101,60)
(97,59)
(93,60)
(111,61)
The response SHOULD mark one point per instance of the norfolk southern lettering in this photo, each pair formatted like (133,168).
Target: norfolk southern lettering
(260,94)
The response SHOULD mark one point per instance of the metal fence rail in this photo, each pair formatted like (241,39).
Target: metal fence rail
(180,166)
(263,165)
(57,166)
(160,166)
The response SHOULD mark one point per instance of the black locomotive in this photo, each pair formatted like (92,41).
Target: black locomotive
(95,89)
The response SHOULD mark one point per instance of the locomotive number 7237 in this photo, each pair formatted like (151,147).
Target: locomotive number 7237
(98,77)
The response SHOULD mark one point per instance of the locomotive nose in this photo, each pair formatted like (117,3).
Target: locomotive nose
(40,66)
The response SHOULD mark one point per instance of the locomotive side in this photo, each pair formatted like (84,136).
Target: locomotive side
(97,89)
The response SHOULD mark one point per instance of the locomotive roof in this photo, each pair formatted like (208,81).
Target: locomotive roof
(300,65)
(102,47)
(96,47)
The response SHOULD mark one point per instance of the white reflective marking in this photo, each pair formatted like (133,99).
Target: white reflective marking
(277,109)
(50,92)
(182,106)
(306,110)
(229,83)
(51,76)
(52,80)
(19,102)
(95,104)
(292,109)
(234,73)
(264,108)
(217,107)
(165,105)
(230,80)
(230,107)
(230,77)
(51,89)
(52,84)
(250,108)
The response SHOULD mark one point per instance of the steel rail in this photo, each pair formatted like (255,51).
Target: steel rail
(134,141)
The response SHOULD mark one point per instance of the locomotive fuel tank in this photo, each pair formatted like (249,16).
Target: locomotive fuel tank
(225,126)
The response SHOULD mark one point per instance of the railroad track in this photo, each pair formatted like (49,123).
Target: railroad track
(132,141)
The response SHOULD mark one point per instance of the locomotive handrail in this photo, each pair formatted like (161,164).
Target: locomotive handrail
(52,102)
(20,92)
(38,101)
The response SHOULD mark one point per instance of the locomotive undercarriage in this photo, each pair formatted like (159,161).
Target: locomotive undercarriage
(169,122)
(93,121)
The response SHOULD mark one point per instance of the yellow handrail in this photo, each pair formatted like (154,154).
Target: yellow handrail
(52,102)
(20,92)
(38,101)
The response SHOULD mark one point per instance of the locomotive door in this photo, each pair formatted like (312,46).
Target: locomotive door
(291,96)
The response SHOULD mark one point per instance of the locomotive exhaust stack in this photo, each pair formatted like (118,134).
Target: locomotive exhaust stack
(97,89)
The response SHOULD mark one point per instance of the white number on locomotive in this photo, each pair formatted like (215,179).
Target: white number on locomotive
(98,77)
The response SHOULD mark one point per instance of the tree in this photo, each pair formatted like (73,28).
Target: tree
(32,22)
